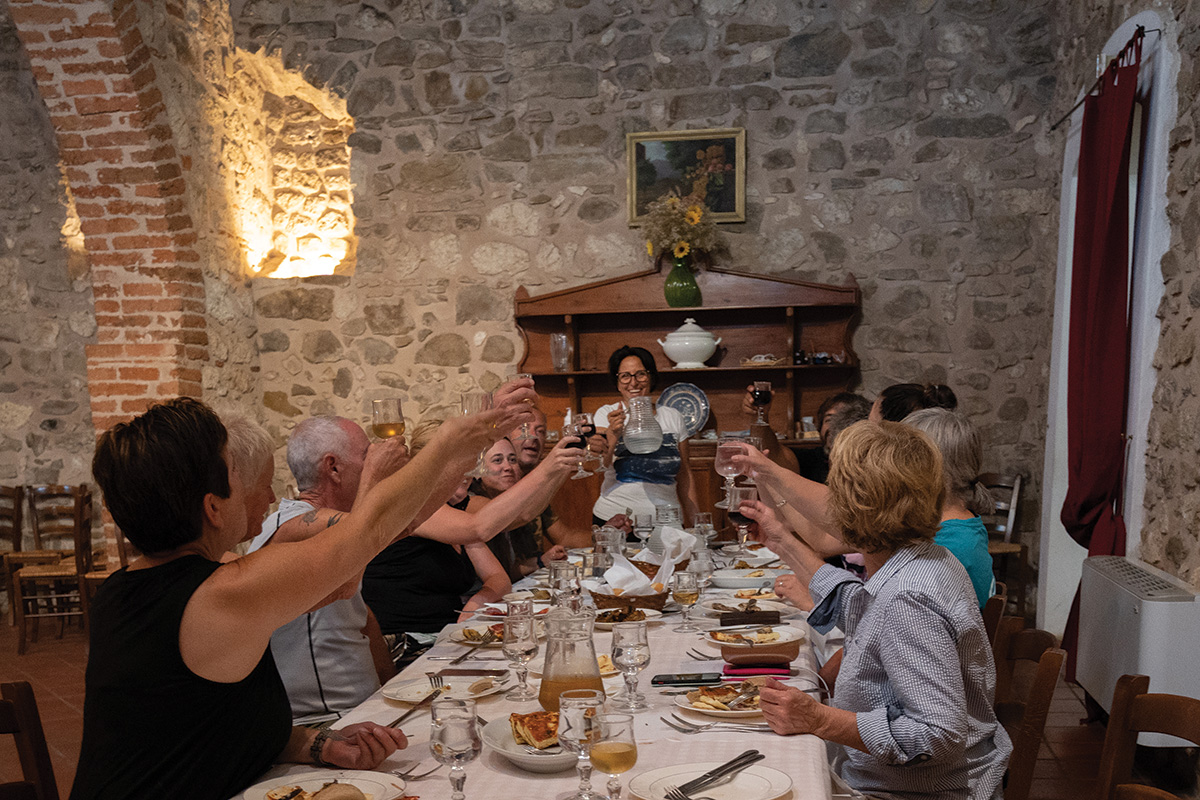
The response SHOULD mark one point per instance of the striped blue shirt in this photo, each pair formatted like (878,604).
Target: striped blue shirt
(918,673)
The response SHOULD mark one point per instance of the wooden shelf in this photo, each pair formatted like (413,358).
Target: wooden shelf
(666,373)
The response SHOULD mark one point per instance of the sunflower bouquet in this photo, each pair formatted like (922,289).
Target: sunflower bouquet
(678,226)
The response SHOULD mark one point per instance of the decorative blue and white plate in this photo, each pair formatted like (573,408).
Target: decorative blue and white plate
(689,401)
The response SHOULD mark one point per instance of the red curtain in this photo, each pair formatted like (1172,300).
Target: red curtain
(1098,350)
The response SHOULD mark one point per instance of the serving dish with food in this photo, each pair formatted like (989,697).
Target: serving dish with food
(758,645)
(530,741)
(733,605)
(606,619)
(473,634)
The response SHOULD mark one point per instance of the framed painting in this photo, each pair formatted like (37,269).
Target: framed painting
(708,163)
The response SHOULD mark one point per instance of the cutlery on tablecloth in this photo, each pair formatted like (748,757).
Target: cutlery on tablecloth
(424,702)
(486,639)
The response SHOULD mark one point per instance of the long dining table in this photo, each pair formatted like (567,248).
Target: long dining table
(803,758)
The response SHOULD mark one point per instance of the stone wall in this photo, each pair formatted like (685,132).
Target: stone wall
(46,313)
(902,141)
(1171,534)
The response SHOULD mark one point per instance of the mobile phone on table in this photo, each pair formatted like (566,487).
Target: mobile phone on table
(687,679)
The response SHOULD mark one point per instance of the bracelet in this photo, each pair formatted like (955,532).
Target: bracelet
(318,744)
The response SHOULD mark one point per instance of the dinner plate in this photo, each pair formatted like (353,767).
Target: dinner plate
(498,611)
(734,602)
(378,785)
(786,634)
(756,561)
(497,736)
(756,782)
(758,551)
(652,616)
(682,701)
(689,401)
(744,578)
(457,636)
(457,687)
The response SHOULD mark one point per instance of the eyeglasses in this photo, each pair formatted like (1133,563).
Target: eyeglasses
(626,377)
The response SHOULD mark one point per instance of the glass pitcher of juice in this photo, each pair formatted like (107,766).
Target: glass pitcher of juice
(570,655)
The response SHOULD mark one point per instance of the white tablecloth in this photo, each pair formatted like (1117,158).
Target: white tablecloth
(803,758)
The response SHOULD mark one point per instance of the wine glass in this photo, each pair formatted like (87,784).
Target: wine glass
(573,428)
(757,443)
(643,526)
(387,417)
(525,432)
(727,448)
(702,566)
(631,655)
(477,403)
(739,495)
(564,583)
(522,607)
(702,529)
(577,710)
(614,750)
(520,646)
(685,590)
(585,424)
(454,739)
(760,398)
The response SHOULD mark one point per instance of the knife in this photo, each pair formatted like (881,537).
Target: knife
(733,765)
(424,702)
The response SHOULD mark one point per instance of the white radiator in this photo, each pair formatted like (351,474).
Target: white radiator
(1137,619)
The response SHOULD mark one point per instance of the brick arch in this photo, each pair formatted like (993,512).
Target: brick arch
(116,145)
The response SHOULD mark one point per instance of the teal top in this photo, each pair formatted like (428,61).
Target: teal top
(967,540)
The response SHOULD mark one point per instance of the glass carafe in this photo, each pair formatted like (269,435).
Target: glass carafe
(570,655)
(642,432)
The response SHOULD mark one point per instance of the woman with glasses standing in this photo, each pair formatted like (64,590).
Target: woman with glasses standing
(641,482)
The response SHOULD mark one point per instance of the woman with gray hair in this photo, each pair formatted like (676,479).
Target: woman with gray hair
(962,531)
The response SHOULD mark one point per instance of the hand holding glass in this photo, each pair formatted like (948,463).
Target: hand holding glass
(727,448)
(739,495)
(454,739)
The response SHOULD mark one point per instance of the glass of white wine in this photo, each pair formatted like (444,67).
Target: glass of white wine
(387,417)
(520,646)
(685,590)
(727,448)
(454,739)
(631,655)
(525,433)
(614,750)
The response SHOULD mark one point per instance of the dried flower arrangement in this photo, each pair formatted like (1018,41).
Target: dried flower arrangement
(679,225)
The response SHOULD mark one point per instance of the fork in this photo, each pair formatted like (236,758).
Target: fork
(708,729)
(701,656)
(409,775)
(435,681)
(674,793)
(488,637)
(697,726)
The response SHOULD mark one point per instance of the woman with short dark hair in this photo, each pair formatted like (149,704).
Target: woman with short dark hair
(182,695)
(641,482)
(913,707)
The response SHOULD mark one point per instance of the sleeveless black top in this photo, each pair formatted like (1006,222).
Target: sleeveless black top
(151,727)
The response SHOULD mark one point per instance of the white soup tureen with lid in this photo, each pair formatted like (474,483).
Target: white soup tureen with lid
(689,346)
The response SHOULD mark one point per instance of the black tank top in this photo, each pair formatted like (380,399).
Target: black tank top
(151,727)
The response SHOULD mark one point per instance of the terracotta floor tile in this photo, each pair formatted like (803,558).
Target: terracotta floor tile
(1060,789)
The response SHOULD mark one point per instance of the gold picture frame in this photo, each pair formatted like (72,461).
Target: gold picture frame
(663,161)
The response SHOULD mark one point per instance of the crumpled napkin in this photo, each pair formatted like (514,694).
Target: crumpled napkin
(626,577)
(677,546)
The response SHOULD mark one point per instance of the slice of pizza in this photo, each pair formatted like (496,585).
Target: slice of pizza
(539,729)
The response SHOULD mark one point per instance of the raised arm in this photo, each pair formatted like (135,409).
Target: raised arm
(800,502)
(229,620)
(516,506)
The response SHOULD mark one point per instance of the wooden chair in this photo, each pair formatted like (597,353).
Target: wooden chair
(1003,541)
(93,579)
(1134,710)
(55,590)
(992,610)
(12,516)
(19,717)
(1027,666)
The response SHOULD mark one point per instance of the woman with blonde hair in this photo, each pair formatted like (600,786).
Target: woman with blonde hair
(913,711)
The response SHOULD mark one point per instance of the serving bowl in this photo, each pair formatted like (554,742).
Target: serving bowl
(783,650)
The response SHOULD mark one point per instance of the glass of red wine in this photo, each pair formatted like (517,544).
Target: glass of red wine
(739,495)
(760,398)
(574,428)
(586,426)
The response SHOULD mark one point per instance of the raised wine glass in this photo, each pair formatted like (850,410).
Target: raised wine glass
(614,750)
(520,646)
(577,710)
(739,495)
(387,417)
(685,590)
(477,403)
(760,397)
(631,655)
(727,448)
(525,432)
(586,427)
(573,428)
(454,739)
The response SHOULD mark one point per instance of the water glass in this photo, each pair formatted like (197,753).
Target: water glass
(522,607)
(564,583)
(477,403)
(702,567)
(596,564)
(520,646)
(631,655)
(614,750)
(560,352)
(685,590)
(643,526)
(454,739)
(577,711)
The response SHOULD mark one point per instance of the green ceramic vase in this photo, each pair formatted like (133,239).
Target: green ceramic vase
(681,289)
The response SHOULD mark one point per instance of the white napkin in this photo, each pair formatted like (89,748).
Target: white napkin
(626,577)
(676,547)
